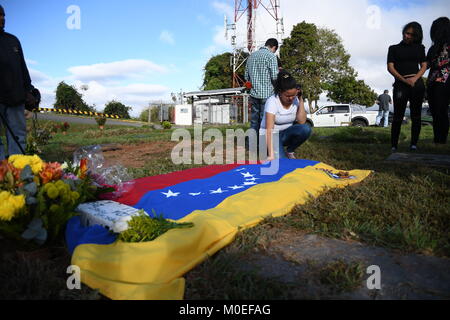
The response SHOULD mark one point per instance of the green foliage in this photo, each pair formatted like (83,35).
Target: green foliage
(349,90)
(117,108)
(143,116)
(100,121)
(143,228)
(36,139)
(154,114)
(316,57)
(67,97)
(219,72)
(167,125)
(56,203)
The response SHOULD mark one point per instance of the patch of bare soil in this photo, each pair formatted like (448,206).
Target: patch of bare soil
(135,155)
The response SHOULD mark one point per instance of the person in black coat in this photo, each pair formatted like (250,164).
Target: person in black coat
(438,88)
(15,91)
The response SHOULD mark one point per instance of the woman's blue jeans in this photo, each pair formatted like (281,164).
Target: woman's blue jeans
(291,138)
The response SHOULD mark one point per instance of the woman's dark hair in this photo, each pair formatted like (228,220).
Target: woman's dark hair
(284,82)
(417,31)
(440,34)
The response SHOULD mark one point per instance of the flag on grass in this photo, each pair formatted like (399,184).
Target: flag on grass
(219,200)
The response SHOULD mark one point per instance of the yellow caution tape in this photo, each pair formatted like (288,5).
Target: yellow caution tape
(74,111)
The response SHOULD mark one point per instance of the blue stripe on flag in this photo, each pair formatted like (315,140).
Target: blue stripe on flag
(177,201)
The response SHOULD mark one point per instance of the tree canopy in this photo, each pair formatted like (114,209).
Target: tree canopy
(349,90)
(67,97)
(219,71)
(317,59)
(117,108)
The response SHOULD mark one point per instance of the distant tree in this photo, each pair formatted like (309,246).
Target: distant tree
(143,116)
(315,57)
(154,114)
(350,90)
(298,54)
(117,108)
(67,97)
(219,72)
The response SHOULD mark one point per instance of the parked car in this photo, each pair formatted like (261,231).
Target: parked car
(340,115)
(427,119)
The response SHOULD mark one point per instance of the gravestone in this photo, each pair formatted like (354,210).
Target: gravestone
(425,159)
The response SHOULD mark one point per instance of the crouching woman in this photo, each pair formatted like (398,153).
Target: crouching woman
(284,122)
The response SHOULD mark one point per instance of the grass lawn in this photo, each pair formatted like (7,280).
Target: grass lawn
(402,206)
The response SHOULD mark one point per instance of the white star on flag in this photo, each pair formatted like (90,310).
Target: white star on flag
(218,191)
(170,194)
(249,183)
(236,187)
(247,175)
(242,169)
(252,179)
(195,194)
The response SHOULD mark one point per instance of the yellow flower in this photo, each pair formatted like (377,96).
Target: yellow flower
(10,205)
(21,161)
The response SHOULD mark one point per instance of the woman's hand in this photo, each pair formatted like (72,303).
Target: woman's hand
(411,81)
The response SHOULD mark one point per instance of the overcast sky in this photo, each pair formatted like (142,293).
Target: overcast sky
(141,50)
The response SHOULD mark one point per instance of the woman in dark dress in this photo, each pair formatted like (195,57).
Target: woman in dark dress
(407,63)
(438,87)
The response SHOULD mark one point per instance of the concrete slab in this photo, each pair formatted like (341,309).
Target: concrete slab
(425,159)
(298,260)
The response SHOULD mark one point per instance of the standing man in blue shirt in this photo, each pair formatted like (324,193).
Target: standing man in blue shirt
(15,91)
(261,71)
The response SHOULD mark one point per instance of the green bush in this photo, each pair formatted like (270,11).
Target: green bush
(100,121)
(167,125)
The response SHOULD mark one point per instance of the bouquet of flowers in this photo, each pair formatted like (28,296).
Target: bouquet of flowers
(37,198)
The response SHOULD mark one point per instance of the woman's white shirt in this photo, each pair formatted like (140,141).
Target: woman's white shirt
(284,118)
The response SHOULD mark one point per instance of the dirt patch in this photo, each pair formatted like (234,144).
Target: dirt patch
(135,155)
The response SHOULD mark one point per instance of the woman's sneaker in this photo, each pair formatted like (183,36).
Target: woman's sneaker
(394,149)
(413,148)
(290,155)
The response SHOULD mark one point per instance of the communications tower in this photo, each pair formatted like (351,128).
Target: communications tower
(251,8)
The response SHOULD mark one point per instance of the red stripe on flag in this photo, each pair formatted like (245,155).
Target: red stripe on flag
(143,185)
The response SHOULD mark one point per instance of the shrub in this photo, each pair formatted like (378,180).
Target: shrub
(100,121)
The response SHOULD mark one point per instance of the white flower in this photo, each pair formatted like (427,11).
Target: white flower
(121,225)
(64,166)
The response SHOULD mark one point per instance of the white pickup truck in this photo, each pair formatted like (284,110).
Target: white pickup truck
(339,115)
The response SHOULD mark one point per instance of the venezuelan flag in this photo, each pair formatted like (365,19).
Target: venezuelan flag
(220,200)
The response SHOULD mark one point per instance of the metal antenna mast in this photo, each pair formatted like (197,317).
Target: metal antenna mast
(250,7)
